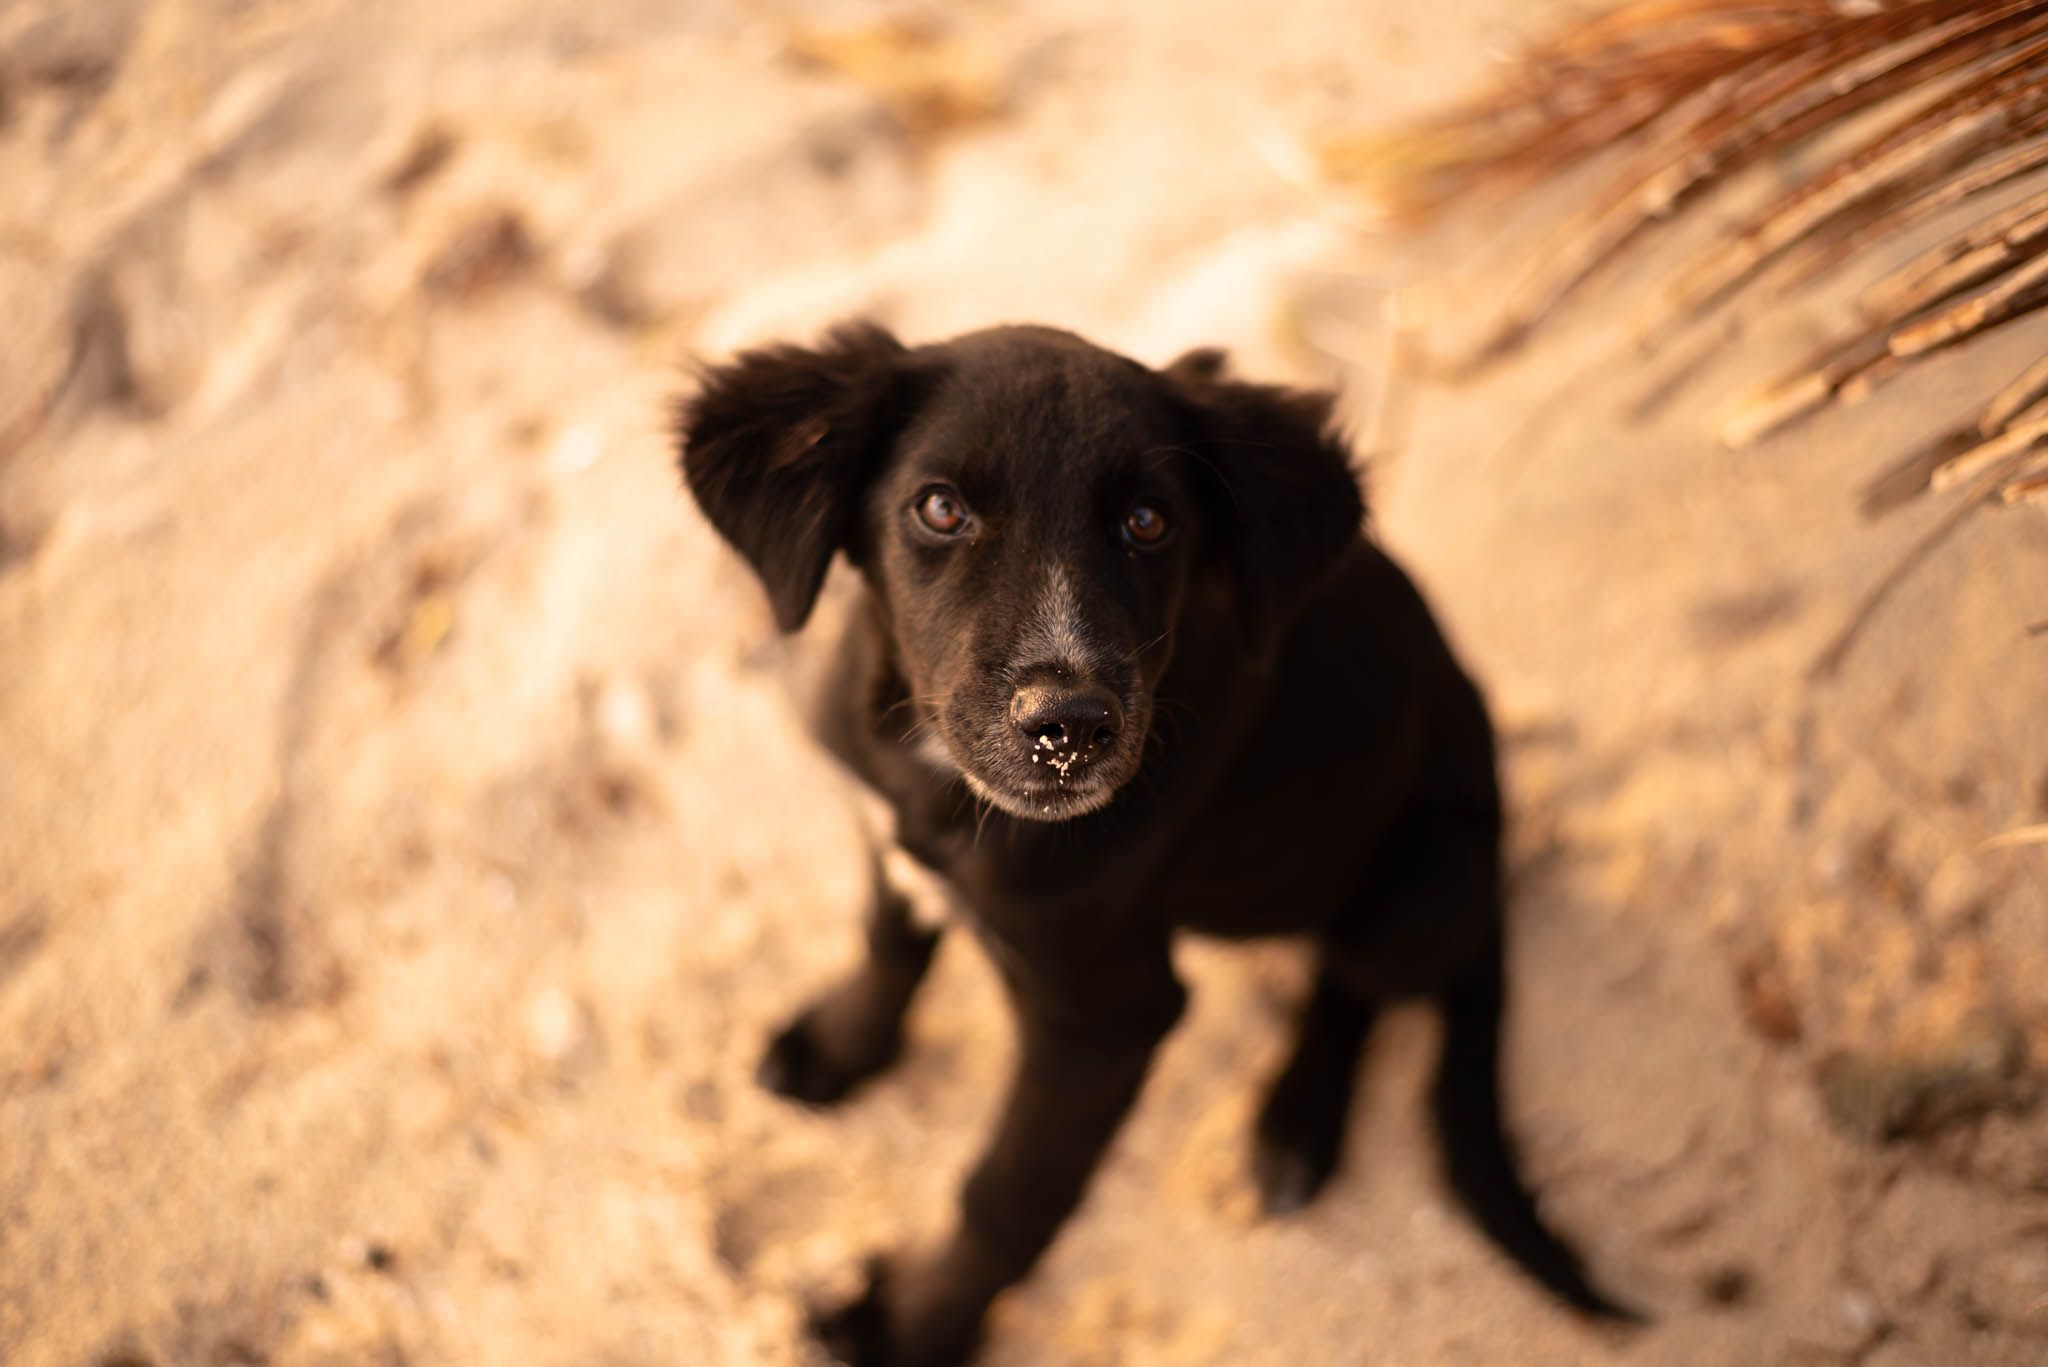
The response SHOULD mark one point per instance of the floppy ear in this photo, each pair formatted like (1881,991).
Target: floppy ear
(1283,488)
(777,446)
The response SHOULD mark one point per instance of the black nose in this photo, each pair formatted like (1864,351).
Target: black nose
(1062,725)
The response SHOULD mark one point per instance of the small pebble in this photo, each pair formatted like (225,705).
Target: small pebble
(555,1025)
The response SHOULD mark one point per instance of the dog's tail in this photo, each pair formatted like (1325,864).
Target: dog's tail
(1478,1158)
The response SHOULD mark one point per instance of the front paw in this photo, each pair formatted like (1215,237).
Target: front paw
(818,1066)
(1288,1179)
(891,1324)
(798,1067)
(857,1333)
(1295,1147)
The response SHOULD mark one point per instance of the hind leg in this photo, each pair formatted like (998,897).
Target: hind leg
(1429,924)
(1408,924)
(1300,1131)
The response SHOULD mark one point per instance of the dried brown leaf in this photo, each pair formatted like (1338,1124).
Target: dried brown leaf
(1768,1000)
(933,82)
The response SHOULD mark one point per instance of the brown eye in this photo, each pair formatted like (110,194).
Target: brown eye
(1145,525)
(941,510)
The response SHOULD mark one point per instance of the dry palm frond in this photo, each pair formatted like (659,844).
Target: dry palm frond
(1956,92)
(1852,369)
(1694,91)
(1996,452)
(1977,255)
(2023,396)
(1829,250)
(1961,452)
(1931,319)
(2016,293)
(1858,362)
(1764,80)
(1572,97)
(1971,120)
(1897,112)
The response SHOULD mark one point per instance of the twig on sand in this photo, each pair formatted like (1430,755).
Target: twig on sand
(2017,836)
(1829,661)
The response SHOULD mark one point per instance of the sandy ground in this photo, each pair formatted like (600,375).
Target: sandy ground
(406,842)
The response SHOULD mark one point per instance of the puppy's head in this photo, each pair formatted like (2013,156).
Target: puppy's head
(1037,518)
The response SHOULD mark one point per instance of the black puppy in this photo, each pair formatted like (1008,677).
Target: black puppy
(1126,666)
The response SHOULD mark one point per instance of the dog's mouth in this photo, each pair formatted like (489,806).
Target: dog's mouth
(1045,802)
(1038,780)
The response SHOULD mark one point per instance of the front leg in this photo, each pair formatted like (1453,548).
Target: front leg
(1080,1066)
(855,1029)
